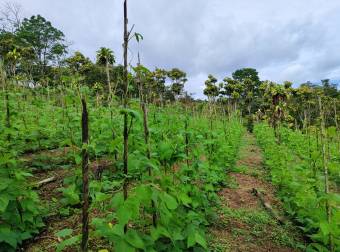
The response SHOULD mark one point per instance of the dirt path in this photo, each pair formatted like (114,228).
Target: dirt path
(244,224)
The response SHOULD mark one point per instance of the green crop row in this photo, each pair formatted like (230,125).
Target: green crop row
(300,187)
(167,209)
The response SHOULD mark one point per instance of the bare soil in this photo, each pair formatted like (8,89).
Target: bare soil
(49,194)
(236,234)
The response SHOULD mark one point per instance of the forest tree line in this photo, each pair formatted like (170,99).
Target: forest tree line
(35,53)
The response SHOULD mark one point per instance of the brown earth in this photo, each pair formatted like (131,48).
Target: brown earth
(236,231)
(50,195)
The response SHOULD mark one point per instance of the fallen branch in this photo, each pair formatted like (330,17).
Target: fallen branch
(45,181)
(268,207)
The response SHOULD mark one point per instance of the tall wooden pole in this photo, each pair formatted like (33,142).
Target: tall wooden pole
(125,104)
(85,173)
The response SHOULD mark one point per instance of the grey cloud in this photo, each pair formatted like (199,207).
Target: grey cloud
(283,40)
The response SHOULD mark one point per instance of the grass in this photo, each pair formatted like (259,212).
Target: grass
(256,225)
(218,244)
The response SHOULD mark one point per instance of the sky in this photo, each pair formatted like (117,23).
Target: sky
(295,40)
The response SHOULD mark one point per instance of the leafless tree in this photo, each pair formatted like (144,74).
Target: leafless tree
(10,16)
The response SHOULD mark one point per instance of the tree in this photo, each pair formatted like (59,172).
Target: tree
(250,80)
(275,100)
(329,89)
(287,84)
(211,89)
(144,82)
(246,73)
(117,74)
(47,42)
(8,41)
(233,89)
(8,48)
(178,78)
(12,58)
(10,17)
(78,63)
(305,96)
(158,87)
(106,58)
(17,58)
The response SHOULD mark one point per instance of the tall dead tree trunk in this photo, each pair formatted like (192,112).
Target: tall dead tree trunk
(85,174)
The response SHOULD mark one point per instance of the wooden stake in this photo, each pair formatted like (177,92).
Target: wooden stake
(125,99)
(85,173)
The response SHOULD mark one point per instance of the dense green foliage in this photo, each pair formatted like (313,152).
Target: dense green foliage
(189,157)
(296,168)
(157,157)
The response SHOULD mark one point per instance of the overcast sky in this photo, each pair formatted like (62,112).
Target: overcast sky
(295,40)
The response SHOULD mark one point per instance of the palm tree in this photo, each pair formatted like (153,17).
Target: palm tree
(106,58)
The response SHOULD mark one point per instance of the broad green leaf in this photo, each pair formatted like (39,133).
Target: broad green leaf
(324,227)
(8,236)
(200,240)
(117,200)
(186,200)
(170,201)
(133,238)
(77,159)
(123,246)
(124,214)
(134,114)
(66,243)
(138,36)
(4,183)
(65,232)
(101,196)
(143,193)
(158,232)
(118,229)
(4,200)
(191,239)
